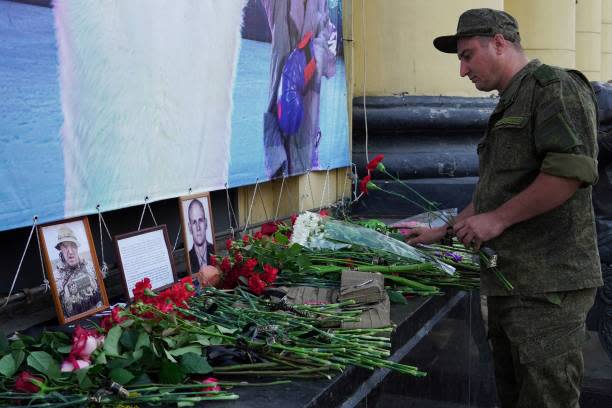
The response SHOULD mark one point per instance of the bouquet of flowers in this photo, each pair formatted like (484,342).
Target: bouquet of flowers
(314,231)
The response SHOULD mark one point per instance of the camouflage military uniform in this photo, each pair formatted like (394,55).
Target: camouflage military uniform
(77,287)
(546,122)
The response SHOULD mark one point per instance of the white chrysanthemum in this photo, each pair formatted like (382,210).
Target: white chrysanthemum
(306,225)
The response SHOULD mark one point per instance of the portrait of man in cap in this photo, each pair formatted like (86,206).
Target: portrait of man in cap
(73,272)
(198,236)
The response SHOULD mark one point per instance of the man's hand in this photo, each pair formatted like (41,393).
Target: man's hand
(426,235)
(475,230)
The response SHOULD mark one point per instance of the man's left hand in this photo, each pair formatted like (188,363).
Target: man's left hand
(475,230)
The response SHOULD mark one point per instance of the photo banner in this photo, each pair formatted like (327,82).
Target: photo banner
(106,103)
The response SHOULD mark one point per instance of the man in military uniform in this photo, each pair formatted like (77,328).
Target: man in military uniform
(74,276)
(532,205)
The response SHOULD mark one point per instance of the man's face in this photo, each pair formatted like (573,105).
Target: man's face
(197,224)
(479,62)
(70,253)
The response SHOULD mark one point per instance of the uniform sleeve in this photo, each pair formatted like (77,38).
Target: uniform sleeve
(565,130)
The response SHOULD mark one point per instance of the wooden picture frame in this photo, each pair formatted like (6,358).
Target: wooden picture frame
(192,260)
(72,267)
(146,253)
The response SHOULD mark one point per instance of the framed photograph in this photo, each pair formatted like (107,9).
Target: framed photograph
(145,254)
(74,274)
(198,230)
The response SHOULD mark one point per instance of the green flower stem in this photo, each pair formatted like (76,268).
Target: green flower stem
(238,367)
(411,283)
(432,205)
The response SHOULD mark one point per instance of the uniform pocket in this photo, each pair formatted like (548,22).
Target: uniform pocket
(514,149)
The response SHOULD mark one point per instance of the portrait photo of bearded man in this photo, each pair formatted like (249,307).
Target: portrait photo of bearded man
(75,276)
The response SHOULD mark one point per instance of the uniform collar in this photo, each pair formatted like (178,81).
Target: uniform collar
(508,95)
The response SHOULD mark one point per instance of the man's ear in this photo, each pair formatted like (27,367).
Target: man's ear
(499,43)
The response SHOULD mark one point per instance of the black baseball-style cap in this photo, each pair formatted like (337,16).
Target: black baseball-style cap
(480,22)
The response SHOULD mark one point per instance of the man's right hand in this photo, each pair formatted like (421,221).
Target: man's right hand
(426,235)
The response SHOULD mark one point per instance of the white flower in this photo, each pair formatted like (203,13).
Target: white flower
(69,366)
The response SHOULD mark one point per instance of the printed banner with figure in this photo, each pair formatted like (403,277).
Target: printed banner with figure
(106,103)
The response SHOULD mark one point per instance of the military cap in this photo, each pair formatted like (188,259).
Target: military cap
(65,234)
(480,22)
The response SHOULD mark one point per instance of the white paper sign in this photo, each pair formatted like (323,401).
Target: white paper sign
(146,256)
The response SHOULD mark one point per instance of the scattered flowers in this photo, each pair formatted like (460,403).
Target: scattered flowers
(28,383)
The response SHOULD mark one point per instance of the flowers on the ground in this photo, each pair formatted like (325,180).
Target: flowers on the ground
(214,386)
(28,383)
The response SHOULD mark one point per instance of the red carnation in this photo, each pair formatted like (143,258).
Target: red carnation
(24,383)
(293,218)
(324,213)
(256,285)
(270,273)
(258,235)
(228,244)
(363,184)
(226,266)
(250,264)
(373,164)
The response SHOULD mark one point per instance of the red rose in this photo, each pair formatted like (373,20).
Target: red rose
(324,213)
(293,218)
(373,164)
(256,285)
(363,184)
(24,383)
(215,387)
(245,240)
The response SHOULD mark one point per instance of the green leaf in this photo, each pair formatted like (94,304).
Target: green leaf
(195,364)
(170,341)
(44,363)
(225,330)
(17,345)
(64,349)
(118,363)
(181,404)
(195,349)
(142,379)
(19,356)
(281,238)
(215,341)
(126,323)
(143,341)
(7,366)
(101,358)
(169,356)
(121,376)
(203,340)
(170,373)
(396,297)
(4,344)
(128,339)
(137,355)
(83,378)
(111,342)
